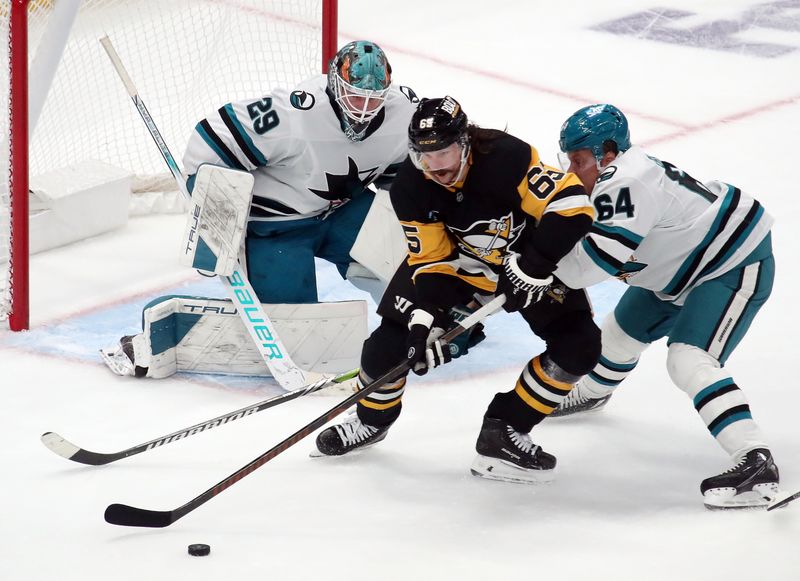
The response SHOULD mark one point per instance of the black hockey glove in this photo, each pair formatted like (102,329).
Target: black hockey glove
(520,288)
(425,351)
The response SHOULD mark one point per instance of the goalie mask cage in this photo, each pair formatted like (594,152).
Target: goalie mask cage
(187,58)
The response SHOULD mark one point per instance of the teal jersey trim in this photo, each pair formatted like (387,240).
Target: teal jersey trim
(734,246)
(598,260)
(713,232)
(212,144)
(619,231)
(246,140)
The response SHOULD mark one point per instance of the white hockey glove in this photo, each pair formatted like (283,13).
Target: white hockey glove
(425,351)
(521,290)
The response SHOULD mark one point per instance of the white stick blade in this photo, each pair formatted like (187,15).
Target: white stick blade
(59,445)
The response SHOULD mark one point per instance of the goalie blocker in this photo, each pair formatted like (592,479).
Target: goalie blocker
(201,335)
(217,223)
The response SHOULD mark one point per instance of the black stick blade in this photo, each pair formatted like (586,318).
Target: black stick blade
(130,516)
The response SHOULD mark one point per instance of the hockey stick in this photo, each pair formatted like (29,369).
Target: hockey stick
(781,500)
(122,514)
(255,320)
(70,451)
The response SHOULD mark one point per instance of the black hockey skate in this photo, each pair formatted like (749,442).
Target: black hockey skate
(350,435)
(505,454)
(576,403)
(753,482)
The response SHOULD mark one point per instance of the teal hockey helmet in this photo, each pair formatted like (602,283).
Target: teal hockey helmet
(592,126)
(359,77)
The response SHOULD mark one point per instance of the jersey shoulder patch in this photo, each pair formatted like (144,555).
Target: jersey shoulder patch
(607,174)
(302,100)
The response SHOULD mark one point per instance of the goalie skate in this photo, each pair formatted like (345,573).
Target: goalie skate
(511,456)
(120,358)
(348,436)
(752,483)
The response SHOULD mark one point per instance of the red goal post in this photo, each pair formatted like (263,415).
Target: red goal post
(188,56)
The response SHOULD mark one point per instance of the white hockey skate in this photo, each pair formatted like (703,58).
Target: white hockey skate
(120,358)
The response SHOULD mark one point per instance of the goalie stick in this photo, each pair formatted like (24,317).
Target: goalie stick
(125,515)
(70,451)
(255,320)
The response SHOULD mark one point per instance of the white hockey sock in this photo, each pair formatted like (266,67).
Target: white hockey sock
(716,397)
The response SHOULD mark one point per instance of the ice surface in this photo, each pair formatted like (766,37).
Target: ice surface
(625,504)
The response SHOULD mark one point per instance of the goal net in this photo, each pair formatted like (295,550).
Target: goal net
(187,58)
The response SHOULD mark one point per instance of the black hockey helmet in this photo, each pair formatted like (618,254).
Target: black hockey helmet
(436,124)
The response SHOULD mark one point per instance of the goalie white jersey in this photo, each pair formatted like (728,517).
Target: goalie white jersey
(294,144)
(660,229)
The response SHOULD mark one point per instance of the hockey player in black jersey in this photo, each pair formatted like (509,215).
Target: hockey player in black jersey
(482,215)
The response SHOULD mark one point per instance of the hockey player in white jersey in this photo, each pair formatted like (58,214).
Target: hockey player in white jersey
(698,259)
(312,152)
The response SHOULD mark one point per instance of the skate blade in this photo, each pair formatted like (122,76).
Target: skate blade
(556,414)
(727,499)
(316,453)
(496,469)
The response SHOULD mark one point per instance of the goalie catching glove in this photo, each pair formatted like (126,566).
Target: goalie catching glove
(521,289)
(425,351)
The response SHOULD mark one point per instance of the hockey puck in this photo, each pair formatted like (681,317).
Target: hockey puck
(199,550)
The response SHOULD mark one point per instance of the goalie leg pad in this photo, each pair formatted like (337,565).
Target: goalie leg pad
(207,336)
(217,220)
(363,279)
(381,244)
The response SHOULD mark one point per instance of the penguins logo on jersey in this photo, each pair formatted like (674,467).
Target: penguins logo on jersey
(489,240)
(556,292)
(301,100)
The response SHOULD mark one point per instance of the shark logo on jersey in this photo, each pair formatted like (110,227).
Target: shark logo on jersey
(630,268)
(607,174)
(302,100)
(341,187)
(489,240)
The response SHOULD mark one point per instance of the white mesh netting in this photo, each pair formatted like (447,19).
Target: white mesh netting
(186,58)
